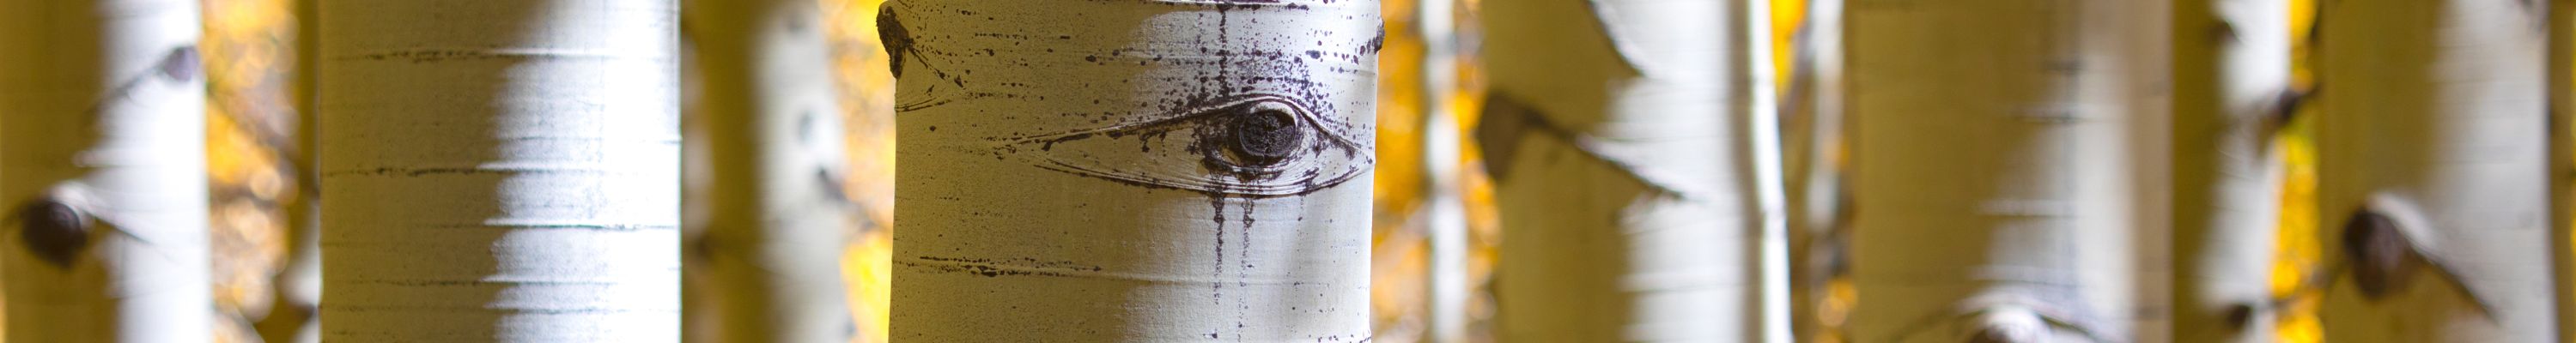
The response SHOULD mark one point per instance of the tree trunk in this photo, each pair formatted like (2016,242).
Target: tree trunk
(1813,146)
(1133,170)
(1992,168)
(2232,70)
(2433,135)
(1444,209)
(2562,160)
(295,318)
(102,167)
(500,171)
(1623,157)
(774,238)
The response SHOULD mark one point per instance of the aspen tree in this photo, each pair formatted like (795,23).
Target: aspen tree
(2232,69)
(2432,157)
(1624,150)
(1443,206)
(1994,169)
(102,171)
(1132,170)
(772,125)
(2562,157)
(500,170)
(299,284)
(1813,147)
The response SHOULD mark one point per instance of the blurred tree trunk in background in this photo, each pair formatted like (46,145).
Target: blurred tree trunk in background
(1813,147)
(1994,172)
(2433,157)
(2232,73)
(299,285)
(773,128)
(1133,171)
(102,170)
(1623,148)
(2562,157)
(500,171)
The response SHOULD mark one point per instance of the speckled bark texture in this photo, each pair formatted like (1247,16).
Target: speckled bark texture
(1621,137)
(1996,169)
(1133,170)
(500,171)
(2435,115)
(103,171)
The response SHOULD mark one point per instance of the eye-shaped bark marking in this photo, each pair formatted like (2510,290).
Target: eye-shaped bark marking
(1247,145)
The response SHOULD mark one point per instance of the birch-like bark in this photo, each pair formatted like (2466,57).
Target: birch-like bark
(1133,170)
(1813,146)
(774,236)
(1444,208)
(102,171)
(1993,171)
(500,171)
(2232,68)
(2435,116)
(1621,148)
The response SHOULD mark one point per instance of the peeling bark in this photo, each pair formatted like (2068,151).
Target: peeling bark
(1623,152)
(2435,122)
(102,171)
(1133,170)
(500,171)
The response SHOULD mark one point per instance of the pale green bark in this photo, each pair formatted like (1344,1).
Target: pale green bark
(1624,148)
(2232,68)
(2435,114)
(500,171)
(102,111)
(1997,169)
(774,238)
(1133,171)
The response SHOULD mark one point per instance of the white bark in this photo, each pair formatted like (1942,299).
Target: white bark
(103,108)
(2436,109)
(500,170)
(1623,148)
(1133,170)
(1443,205)
(2232,67)
(1993,168)
(774,238)
(1817,229)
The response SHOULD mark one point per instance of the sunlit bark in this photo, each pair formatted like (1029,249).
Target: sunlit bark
(2434,125)
(776,213)
(500,171)
(1997,166)
(102,171)
(1623,144)
(2232,68)
(1134,171)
